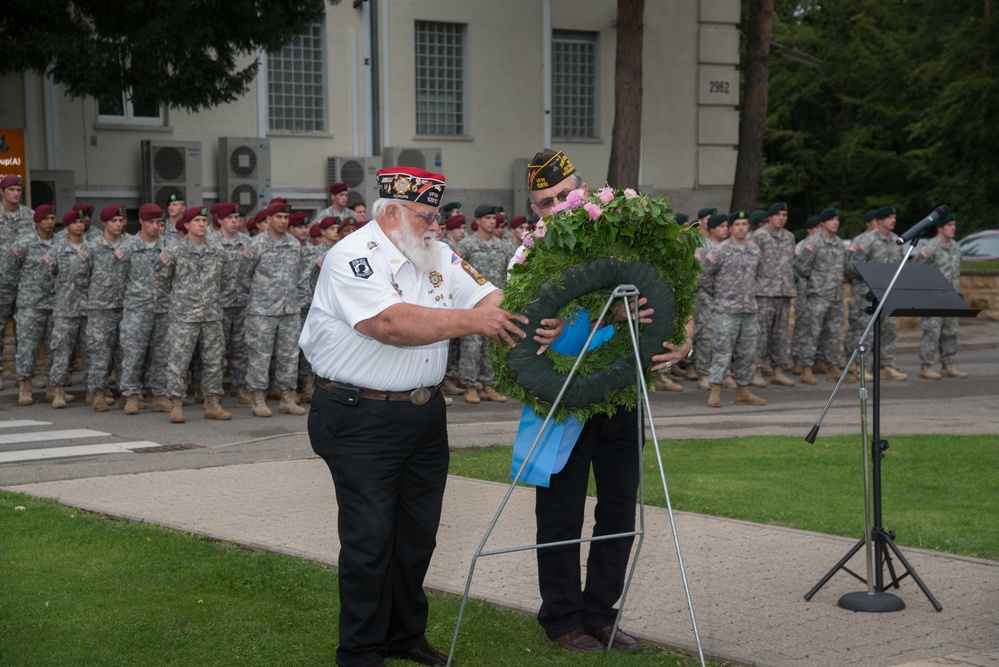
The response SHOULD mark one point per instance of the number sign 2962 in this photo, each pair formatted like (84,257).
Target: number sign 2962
(718,87)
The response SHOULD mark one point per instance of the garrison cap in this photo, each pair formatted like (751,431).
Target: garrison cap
(411,184)
(548,168)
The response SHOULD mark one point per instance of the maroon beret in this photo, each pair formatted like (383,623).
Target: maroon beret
(347,222)
(297,219)
(180,225)
(192,213)
(85,207)
(328,221)
(277,206)
(150,212)
(412,184)
(251,223)
(315,231)
(43,212)
(517,221)
(9,180)
(454,222)
(277,200)
(223,210)
(111,211)
(337,188)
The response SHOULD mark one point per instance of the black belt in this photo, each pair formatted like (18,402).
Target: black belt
(417,396)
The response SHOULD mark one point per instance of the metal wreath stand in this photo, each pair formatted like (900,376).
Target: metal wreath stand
(626,293)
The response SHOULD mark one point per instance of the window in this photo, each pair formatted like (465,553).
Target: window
(574,84)
(296,86)
(120,109)
(440,78)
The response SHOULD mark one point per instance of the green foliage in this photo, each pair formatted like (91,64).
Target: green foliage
(181,53)
(900,111)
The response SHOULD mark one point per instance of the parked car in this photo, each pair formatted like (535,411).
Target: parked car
(981,246)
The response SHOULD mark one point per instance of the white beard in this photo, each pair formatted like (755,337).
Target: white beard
(418,250)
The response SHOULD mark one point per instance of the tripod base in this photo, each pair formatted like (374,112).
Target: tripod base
(873,601)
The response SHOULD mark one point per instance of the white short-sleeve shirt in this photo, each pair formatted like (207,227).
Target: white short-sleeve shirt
(362,275)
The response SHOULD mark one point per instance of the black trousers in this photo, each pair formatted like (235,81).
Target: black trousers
(389,464)
(612,446)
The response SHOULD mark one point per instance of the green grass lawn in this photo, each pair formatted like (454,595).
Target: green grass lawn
(79,589)
(939,492)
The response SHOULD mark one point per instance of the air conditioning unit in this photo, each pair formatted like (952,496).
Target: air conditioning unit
(171,168)
(360,175)
(245,172)
(428,159)
(521,196)
(56,188)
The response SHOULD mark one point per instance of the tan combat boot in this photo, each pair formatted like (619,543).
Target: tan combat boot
(703,384)
(176,411)
(692,372)
(472,396)
(50,394)
(24,397)
(758,380)
(729,382)
(835,371)
(214,410)
(449,388)
(308,386)
(162,404)
(766,369)
(892,373)
(288,406)
(243,398)
(273,393)
(949,371)
(59,397)
(448,401)
(780,379)
(260,408)
(744,397)
(100,403)
(806,376)
(926,371)
(820,366)
(714,398)
(131,405)
(490,394)
(666,383)
(797,369)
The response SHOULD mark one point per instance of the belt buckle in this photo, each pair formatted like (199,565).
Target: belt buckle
(419,396)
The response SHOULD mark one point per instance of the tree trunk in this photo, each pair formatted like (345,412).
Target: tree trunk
(753,119)
(626,137)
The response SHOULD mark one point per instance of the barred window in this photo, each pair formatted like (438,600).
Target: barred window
(440,78)
(574,84)
(296,85)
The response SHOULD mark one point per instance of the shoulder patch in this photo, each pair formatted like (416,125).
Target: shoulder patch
(246,253)
(165,258)
(81,253)
(16,250)
(46,258)
(119,253)
(809,247)
(455,259)
(361,268)
(472,272)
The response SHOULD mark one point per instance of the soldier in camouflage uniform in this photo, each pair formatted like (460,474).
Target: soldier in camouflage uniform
(774,290)
(194,273)
(879,247)
(298,227)
(105,297)
(821,261)
(490,257)
(454,231)
(15,221)
(857,316)
(940,333)
(69,303)
(236,248)
(338,204)
(730,272)
(144,315)
(175,209)
(717,228)
(802,328)
(273,311)
(28,265)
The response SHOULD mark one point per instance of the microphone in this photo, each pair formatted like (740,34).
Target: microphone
(917,229)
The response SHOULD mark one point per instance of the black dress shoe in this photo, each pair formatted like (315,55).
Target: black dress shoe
(423,653)
(622,640)
(579,642)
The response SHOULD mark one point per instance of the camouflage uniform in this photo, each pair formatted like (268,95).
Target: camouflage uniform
(857,317)
(730,278)
(195,276)
(940,333)
(233,298)
(69,307)
(702,316)
(490,259)
(28,266)
(312,263)
(12,227)
(105,295)
(774,289)
(876,248)
(821,262)
(144,319)
(273,312)
(330,213)
(801,325)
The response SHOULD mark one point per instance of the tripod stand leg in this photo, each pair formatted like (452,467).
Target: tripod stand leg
(884,558)
(915,577)
(835,568)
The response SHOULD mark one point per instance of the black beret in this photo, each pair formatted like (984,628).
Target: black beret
(737,215)
(704,212)
(827,214)
(759,216)
(716,219)
(884,212)
(943,221)
(871,215)
(812,222)
(484,209)
(776,207)
(682,218)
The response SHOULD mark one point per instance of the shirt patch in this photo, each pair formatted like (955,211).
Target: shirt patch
(361,268)
(17,251)
(81,254)
(436,279)
(119,254)
(455,259)
(46,258)
(472,272)
(319,262)
(246,253)
(372,245)
(165,258)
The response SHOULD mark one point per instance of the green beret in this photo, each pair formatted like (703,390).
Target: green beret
(871,215)
(484,210)
(759,216)
(447,208)
(884,212)
(705,212)
(682,218)
(716,219)
(776,208)
(736,215)
(812,222)
(950,218)
(827,214)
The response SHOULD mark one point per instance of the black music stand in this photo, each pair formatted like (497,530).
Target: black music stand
(921,291)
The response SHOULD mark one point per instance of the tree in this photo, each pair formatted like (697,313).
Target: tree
(180,53)
(626,136)
(753,119)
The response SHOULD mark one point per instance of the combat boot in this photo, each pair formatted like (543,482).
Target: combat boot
(24,397)
(758,380)
(176,411)
(949,371)
(703,384)
(139,403)
(892,373)
(926,371)
(131,405)
(50,395)
(692,372)
(714,398)
(162,404)
(806,376)
(38,383)
(273,393)
(243,398)
(213,409)
(472,396)
(448,401)
(666,383)
(100,401)
(744,397)
(449,388)
(820,366)
(797,369)
(260,408)
(308,386)
(835,371)
(780,379)
(288,406)
(59,397)
(729,382)
(490,394)
(766,369)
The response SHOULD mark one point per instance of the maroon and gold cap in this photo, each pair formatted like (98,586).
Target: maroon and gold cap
(411,184)
(548,168)
(111,211)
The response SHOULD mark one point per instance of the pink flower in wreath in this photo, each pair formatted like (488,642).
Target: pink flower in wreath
(539,231)
(576,198)
(594,211)
(521,256)
(605,195)
(629,193)
(528,240)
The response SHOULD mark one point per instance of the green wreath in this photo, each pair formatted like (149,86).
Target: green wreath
(571,262)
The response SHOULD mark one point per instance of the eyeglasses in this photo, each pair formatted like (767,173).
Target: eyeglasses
(429,218)
(550,201)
